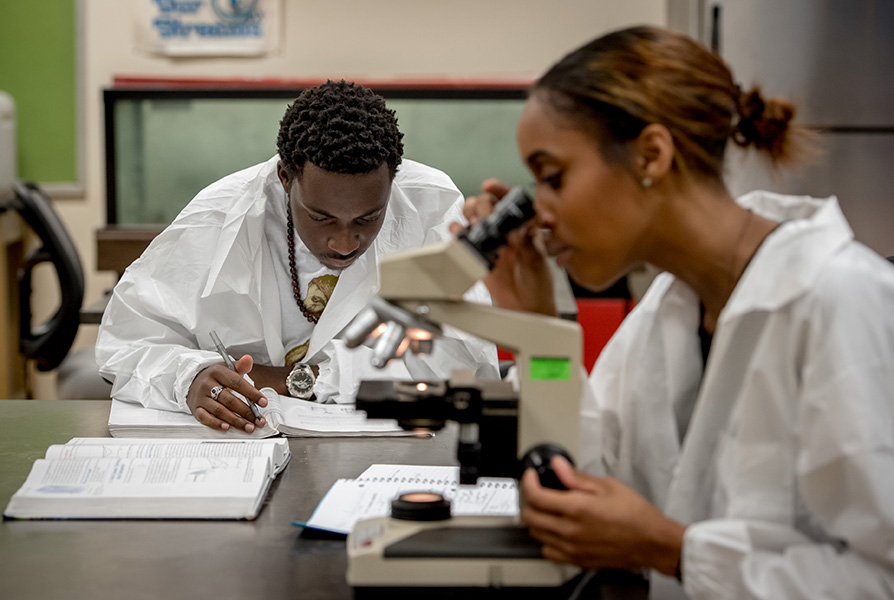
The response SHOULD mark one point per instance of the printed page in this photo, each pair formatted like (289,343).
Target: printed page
(352,500)
(189,487)
(197,476)
(276,451)
(295,414)
(127,419)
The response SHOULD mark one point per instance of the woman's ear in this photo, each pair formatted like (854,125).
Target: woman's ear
(653,153)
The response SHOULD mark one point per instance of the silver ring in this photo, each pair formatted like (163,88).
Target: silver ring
(215,392)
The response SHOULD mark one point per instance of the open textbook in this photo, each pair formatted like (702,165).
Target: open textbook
(104,478)
(288,416)
(369,495)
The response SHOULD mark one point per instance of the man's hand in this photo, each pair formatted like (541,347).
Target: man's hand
(226,409)
(599,523)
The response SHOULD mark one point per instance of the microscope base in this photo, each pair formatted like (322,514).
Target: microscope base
(468,593)
(479,557)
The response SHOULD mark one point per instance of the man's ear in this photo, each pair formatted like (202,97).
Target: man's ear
(283,175)
(653,152)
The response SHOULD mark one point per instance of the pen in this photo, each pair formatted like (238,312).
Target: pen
(229,361)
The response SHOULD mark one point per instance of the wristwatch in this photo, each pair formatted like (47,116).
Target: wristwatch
(300,381)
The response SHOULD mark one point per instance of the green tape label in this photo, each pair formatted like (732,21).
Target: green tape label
(550,369)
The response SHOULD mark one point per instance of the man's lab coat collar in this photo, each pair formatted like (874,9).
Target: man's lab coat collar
(242,262)
(239,245)
(240,257)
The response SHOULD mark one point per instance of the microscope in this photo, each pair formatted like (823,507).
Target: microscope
(420,548)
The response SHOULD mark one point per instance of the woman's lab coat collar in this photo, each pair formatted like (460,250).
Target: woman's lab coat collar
(802,217)
(782,254)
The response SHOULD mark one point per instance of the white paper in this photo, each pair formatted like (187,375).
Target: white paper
(290,416)
(100,478)
(369,495)
(276,451)
(324,418)
(146,477)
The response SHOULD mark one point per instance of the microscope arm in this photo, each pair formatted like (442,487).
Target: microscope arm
(548,357)
(426,285)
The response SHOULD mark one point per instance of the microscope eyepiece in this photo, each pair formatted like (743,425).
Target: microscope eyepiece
(514,210)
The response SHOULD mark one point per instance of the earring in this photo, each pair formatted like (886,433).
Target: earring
(647,181)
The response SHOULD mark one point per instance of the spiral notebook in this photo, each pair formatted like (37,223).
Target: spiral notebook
(369,495)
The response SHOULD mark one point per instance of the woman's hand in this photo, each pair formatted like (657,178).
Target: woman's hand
(599,523)
(521,279)
(227,409)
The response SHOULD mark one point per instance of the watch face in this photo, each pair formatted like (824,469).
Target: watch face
(301,382)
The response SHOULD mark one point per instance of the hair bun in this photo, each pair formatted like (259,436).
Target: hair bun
(764,123)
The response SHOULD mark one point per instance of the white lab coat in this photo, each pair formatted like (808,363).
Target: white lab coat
(786,472)
(211,269)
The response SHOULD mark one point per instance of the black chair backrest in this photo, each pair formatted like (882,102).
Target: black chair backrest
(48,343)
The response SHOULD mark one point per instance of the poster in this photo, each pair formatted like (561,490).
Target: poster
(184,28)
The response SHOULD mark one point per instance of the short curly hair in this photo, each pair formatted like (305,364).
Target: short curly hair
(340,127)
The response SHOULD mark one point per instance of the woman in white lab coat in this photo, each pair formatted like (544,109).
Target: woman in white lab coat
(739,427)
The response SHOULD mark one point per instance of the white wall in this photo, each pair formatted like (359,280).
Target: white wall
(334,38)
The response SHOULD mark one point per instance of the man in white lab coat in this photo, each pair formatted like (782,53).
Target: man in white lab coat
(231,263)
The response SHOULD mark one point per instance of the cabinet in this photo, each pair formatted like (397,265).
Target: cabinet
(12,364)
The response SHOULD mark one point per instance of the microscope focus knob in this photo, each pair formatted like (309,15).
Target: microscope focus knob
(539,458)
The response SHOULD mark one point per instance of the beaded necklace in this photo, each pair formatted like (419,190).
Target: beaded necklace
(296,287)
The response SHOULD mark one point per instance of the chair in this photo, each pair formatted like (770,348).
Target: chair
(599,318)
(49,342)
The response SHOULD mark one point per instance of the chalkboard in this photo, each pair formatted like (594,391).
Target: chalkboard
(38,68)
(163,148)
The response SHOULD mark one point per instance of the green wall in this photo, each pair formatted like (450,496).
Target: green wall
(169,149)
(38,59)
